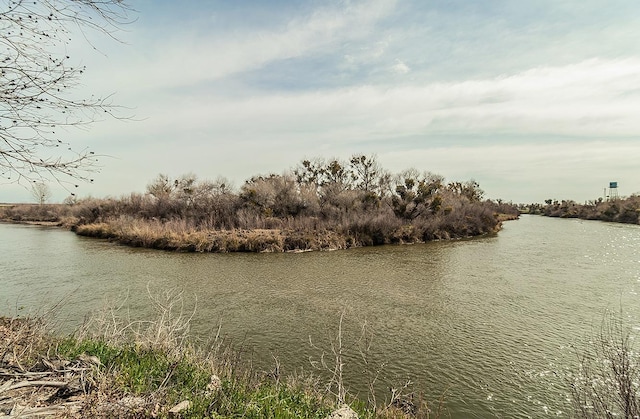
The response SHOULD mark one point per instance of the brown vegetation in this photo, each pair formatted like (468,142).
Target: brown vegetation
(318,205)
(625,210)
(31,383)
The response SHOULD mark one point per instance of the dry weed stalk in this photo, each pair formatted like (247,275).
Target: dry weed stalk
(402,402)
(21,339)
(607,384)
(171,329)
(168,332)
(335,366)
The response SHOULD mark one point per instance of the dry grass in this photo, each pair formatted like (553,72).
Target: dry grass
(21,341)
(293,235)
(180,236)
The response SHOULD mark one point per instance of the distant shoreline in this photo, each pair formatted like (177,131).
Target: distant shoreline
(624,210)
(34,223)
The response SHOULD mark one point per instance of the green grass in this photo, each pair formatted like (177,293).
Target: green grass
(148,372)
(267,400)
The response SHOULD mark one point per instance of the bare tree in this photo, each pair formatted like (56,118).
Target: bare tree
(37,81)
(162,187)
(366,170)
(40,192)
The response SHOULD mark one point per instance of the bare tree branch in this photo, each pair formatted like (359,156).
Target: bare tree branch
(37,82)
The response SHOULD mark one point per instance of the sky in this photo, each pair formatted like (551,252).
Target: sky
(532,99)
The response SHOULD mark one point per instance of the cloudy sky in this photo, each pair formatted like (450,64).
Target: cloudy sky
(533,99)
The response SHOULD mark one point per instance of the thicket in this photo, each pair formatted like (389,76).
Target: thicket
(319,204)
(626,210)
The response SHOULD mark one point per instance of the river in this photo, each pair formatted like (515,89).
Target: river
(490,322)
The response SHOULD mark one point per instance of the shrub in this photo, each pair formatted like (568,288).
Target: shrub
(328,204)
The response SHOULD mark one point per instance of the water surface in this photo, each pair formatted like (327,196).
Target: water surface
(489,322)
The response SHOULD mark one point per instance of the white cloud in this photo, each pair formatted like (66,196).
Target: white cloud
(239,102)
(400,67)
(594,98)
(188,58)
(445,127)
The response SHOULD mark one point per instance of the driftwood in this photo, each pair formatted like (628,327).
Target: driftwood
(20,411)
(42,393)
(33,386)
(67,389)
(41,383)
(46,388)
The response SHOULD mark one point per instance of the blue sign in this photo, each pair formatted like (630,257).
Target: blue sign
(613,185)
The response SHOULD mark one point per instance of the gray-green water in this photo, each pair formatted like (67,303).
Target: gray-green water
(488,321)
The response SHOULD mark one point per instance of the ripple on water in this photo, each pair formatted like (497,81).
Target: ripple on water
(488,322)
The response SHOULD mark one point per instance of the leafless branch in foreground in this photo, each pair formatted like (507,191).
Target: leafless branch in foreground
(38,97)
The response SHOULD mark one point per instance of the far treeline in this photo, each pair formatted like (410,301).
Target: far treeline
(619,210)
(321,204)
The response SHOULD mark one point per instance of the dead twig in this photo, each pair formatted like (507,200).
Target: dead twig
(38,383)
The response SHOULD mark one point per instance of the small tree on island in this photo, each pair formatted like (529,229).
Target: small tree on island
(40,192)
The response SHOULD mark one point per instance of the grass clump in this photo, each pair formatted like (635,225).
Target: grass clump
(155,362)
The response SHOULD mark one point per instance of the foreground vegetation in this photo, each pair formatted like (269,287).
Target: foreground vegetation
(624,210)
(134,380)
(606,382)
(318,205)
(150,369)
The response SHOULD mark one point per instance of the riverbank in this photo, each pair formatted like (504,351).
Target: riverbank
(142,371)
(178,236)
(274,235)
(624,210)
